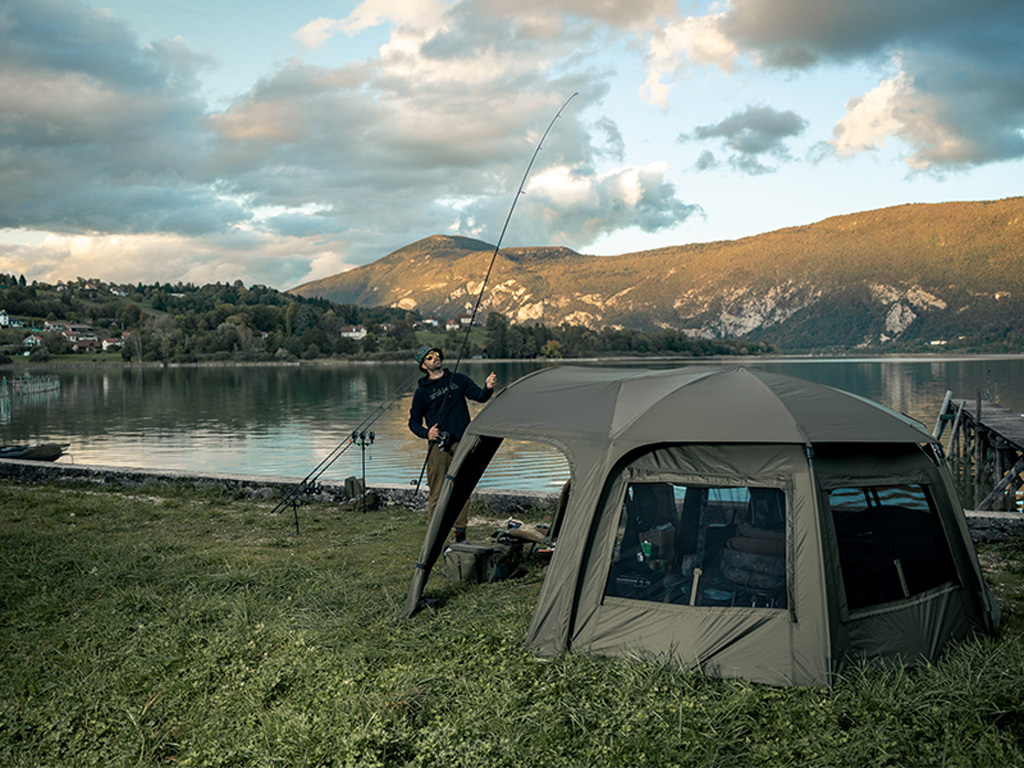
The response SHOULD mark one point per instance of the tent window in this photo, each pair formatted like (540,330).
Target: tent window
(891,543)
(701,545)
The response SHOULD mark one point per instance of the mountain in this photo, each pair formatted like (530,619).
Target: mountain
(920,273)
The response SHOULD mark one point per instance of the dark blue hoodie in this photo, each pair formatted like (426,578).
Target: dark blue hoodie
(443,402)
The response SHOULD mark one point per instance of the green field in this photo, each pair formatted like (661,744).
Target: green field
(170,626)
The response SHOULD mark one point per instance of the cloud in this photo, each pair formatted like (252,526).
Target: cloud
(372,13)
(435,133)
(99,132)
(696,40)
(576,206)
(234,255)
(706,161)
(109,144)
(750,135)
(956,101)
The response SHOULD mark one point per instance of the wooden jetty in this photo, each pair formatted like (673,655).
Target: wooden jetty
(985,448)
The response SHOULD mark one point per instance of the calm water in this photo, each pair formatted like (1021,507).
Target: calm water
(285,420)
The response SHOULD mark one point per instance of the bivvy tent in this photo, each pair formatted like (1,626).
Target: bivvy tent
(741,522)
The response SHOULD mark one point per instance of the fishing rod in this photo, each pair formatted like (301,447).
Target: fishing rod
(469,327)
(309,483)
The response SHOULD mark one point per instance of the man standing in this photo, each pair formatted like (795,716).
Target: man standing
(440,415)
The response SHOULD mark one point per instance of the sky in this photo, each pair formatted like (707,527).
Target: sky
(278,142)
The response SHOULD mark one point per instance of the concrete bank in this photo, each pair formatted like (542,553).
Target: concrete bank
(271,488)
(984,526)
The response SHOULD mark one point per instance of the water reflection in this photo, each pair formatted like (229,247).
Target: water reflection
(283,420)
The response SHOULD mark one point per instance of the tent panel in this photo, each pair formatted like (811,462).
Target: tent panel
(904,613)
(915,632)
(470,460)
(600,609)
(731,406)
(724,404)
(752,643)
(551,625)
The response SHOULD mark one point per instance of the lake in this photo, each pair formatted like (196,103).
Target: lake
(284,420)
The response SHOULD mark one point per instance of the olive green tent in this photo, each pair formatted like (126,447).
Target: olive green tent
(744,523)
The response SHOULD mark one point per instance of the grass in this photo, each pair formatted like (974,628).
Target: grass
(166,626)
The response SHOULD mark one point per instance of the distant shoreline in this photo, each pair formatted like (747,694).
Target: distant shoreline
(605,360)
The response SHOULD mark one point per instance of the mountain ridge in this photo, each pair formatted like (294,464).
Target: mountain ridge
(917,272)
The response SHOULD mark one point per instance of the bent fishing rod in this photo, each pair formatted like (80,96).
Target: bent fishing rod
(445,406)
(308,483)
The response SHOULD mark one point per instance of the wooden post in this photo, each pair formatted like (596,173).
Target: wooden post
(954,433)
(1001,485)
(979,451)
(940,422)
(998,450)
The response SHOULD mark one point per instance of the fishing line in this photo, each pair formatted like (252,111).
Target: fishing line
(308,483)
(469,327)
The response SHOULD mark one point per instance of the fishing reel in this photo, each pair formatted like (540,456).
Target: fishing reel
(363,438)
(444,441)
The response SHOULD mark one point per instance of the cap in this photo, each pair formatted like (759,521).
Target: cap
(425,350)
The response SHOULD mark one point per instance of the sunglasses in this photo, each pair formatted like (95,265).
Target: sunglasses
(430,356)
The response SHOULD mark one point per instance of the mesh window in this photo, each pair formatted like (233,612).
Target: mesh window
(891,543)
(700,545)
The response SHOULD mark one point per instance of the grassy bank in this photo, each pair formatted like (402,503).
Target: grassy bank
(173,627)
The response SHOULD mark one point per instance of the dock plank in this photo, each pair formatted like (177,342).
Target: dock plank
(1008,424)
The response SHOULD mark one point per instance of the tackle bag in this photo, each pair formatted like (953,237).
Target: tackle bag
(480,563)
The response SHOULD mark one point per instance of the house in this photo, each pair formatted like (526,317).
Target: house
(32,341)
(74,332)
(112,344)
(6,321)
(86,345)
(452,325)
(433,322)
(357,332)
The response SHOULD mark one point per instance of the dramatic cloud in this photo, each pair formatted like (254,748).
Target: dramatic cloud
(436,135)
(957,101)
(105,137)
(573,207)
(750,135)
(114,163)
(98,132)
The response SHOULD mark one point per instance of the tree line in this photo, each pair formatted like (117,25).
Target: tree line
(184,323)
(505,340)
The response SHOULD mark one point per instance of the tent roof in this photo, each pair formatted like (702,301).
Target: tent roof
(707,404)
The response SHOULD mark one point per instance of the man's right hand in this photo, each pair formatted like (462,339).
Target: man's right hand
(433,433)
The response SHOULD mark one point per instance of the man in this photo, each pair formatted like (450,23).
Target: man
(440,415)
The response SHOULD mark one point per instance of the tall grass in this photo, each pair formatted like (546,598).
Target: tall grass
(174,627)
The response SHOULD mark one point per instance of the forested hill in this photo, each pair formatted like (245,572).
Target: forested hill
(183,322)
(939,274)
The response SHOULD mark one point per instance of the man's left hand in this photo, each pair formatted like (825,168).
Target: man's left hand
(492,379)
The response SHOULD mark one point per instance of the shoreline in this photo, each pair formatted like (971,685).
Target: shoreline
(896,357)
(984,526)
(507,503)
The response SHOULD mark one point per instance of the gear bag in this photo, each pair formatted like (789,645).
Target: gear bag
(479,563)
